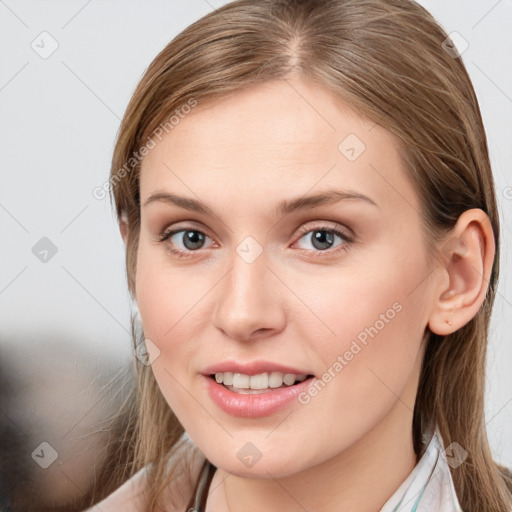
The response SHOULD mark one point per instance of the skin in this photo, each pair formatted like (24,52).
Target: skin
(297,304)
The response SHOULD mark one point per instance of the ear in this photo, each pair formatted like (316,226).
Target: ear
(468,256)
(123,225)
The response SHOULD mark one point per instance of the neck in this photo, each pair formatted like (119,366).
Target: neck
(359,479)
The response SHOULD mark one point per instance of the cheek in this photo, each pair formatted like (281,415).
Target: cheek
(373,322)
(163,312)
(166,307)
(168,296)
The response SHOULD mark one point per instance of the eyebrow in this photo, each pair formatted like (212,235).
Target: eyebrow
(285,207)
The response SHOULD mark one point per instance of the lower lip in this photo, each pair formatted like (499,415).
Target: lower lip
(254,406)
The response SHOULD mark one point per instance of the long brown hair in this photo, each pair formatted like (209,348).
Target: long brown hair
(389,60)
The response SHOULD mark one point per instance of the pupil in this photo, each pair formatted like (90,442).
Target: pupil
(193,239)
(322,239)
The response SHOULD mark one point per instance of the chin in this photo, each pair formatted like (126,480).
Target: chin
(241,465)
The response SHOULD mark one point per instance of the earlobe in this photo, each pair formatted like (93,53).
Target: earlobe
(123,225)
(468,256)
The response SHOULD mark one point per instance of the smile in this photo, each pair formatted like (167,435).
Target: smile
(245,402)
(255,384)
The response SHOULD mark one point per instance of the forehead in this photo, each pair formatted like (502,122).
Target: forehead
(262,141)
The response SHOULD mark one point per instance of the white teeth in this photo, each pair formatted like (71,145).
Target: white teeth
(289,379)
(241,381)
(275,380)
(260,381)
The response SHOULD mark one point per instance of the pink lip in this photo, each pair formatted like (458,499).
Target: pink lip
(252,368)
(254,406)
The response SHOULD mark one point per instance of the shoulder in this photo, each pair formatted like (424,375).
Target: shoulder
(127,498)
(185,463)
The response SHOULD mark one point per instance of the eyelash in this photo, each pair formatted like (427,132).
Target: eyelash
(348,240)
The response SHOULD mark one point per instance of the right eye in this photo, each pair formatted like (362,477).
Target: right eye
(188,240)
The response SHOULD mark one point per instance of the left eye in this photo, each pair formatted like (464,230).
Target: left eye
(322,239)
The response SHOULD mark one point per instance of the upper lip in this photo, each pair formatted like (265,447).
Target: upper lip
(253,368)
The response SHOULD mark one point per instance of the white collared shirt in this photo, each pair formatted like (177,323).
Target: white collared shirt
(429,486)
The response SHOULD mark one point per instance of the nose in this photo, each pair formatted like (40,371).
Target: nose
(249,301)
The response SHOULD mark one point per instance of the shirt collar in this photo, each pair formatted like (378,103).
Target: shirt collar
(429,486)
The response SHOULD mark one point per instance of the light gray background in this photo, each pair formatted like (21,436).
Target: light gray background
(58,120)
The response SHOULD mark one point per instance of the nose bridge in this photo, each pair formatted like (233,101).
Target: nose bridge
(246,302)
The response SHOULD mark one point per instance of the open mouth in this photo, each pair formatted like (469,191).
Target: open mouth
(257,384)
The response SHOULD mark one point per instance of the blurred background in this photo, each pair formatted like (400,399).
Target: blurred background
(68,70)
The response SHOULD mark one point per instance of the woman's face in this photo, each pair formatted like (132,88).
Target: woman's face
(264,280)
